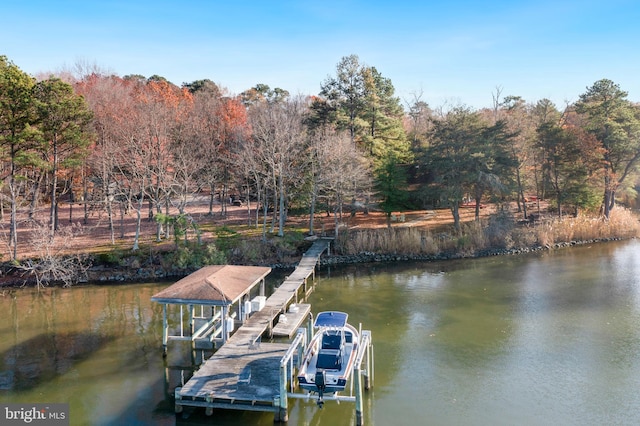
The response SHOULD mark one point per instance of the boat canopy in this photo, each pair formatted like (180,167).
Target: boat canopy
(331,319)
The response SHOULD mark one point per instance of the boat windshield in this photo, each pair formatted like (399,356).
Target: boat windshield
(331,319)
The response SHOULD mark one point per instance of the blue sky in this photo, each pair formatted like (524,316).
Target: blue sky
(451,52)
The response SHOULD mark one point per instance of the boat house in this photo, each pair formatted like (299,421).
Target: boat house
(215,297)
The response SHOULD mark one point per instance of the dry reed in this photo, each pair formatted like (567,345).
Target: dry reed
(499,232)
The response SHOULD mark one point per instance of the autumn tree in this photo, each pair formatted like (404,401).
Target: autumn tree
(160,107)
(518,119)
(263,93)
(111,100)
(201,86)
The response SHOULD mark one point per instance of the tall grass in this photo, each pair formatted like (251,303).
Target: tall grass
(622,223)
(501,231)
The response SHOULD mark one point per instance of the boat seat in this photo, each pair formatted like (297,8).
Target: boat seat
(348,337)
(329,359)
(331,341)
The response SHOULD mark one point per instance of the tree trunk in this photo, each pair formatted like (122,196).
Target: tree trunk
(54,188)
(264,217)
(136,239)
(281,208)
(85,197)
(248,206)
(212,195)
(13,233)
(455,211)
(122,210)
(607,194)
(312,207)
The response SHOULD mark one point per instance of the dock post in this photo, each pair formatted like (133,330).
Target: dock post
(310,328)
(281,414)
(178,397)
(225,330)
(192,321)
(165,330)
(368,373)
(357,378)
(301,346)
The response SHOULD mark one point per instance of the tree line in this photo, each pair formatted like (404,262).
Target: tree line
(146,146)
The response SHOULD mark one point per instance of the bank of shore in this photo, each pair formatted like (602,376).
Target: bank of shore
(102,274)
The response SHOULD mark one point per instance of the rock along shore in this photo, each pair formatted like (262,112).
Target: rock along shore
(104,274)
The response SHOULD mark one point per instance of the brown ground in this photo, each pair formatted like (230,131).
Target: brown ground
(95,236)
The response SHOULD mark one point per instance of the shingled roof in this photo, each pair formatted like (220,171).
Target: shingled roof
(213,285)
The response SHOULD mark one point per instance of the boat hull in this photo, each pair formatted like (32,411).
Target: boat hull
(326,370)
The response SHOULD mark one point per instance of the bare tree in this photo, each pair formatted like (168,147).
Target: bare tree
(56,260)
(339,171)
(111,99)
(280,139)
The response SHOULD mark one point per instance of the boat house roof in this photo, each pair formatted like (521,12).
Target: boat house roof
(219,285)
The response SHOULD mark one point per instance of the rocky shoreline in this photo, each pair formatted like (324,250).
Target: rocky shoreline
(104,274)
(377,257)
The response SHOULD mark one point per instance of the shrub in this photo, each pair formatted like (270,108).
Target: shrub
(194,257)
(226,238)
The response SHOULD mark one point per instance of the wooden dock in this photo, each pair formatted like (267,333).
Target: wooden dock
(290,321)
(244,374)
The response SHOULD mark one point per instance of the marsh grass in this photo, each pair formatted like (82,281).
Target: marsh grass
(500,231)
(622,223)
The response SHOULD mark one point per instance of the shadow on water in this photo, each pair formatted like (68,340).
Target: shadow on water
(43,358)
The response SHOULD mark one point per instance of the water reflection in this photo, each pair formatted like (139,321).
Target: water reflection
(46,356)
(549,338)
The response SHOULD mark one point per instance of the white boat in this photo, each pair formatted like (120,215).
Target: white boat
(328,360)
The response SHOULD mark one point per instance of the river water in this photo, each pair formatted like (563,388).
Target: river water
(549,338)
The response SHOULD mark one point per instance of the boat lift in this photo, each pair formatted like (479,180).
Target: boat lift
(361,378)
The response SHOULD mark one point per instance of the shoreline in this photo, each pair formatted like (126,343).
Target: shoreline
(103,274)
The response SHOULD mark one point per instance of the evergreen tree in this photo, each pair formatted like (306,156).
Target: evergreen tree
(63,117)
(365,104)
(391,182)
(17,136)
(615,122)
(468,156)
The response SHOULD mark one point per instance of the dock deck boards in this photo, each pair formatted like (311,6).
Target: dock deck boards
(245,372)
(238,373)
(287,327)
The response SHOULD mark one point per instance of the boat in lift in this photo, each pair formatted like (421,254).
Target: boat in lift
(329,359)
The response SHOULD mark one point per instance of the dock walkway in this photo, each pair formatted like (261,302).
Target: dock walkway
(244,373)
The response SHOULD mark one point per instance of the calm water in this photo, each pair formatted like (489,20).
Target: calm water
(532,340)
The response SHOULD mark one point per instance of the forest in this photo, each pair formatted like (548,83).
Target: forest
(145,146)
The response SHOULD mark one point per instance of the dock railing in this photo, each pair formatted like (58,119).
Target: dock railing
(287,373)
(362,378)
